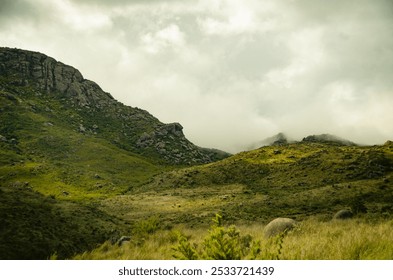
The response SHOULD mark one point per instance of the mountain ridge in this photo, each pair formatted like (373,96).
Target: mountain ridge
(99,113)
(282,139)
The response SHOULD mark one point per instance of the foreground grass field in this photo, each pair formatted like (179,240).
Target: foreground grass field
(357,239)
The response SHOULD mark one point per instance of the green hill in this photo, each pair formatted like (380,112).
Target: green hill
(79,169)
(297,180)
(65,143)
(308,181)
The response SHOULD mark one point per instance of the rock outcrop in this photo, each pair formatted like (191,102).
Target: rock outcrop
(51,76)
(328,138)
(162,139)
(275,140)
(94,111)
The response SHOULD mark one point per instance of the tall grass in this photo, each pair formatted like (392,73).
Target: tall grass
(156,246)
(340,240)
(310,240)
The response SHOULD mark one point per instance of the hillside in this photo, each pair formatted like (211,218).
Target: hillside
(64,145)
(79,169)
(296,180)
(40,92)
(308,181)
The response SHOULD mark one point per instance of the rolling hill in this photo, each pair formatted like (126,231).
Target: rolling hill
(296,180)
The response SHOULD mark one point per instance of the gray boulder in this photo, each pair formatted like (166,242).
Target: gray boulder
(278,226)
(343,215)
(123,240)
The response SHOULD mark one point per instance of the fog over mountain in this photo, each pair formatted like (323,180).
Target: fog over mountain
(231,72)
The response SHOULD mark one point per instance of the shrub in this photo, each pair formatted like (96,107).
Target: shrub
(146,227)
(185,250)
(223,243)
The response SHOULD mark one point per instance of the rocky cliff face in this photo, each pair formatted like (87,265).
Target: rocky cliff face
(51,76)
(93,111)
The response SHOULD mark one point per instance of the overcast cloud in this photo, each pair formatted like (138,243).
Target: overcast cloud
(231,72)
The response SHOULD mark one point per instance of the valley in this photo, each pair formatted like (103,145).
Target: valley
(79,170)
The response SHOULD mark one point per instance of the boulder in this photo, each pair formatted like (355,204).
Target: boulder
(343,215)
(123,240)
(278,226)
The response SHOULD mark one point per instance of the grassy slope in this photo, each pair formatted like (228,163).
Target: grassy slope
(295,180)
(52,177)
(67,190)
(305,181)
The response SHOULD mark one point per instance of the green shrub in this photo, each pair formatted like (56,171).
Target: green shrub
(221,243)
(146,227)
(184,250)
(273,248)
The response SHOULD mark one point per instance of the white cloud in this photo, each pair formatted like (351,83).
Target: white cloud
(169,37)
(307,55)
(226,18)
(232,72)
(241,21)
(79,18)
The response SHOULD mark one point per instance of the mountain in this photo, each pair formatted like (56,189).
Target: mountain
(79,169)
(328,138)
(277,139)
(281,139)
(65,145)
(40,85)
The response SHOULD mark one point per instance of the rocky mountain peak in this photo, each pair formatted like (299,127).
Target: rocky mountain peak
(278,139)
(37,79)
(50,76)
(328,138)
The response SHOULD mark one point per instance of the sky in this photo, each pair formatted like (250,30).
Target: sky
(232,72)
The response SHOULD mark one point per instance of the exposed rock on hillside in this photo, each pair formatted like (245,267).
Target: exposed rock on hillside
(31,76)
(328,138)
(278,139)
(52,77)
(162,139)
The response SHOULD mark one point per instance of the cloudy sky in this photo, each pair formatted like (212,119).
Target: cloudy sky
(231,72)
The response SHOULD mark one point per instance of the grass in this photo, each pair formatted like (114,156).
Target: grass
(356,239)
(65,190)
(340,240)
(52,177)
(34,226)
(250,189)
(318,179)
(124,188)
